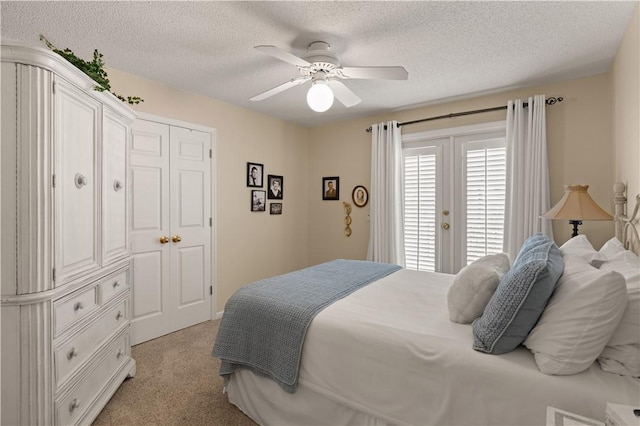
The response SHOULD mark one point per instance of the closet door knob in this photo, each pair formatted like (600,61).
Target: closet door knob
(176,238)
(164,239)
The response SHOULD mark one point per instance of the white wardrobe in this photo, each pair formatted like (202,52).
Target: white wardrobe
(65,250)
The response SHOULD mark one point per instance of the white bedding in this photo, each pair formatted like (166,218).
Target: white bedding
(389,354)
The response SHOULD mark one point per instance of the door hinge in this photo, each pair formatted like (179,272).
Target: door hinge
(210,221)
(211,289)
(53,87)
(210,153)
(53,181)
(53,274)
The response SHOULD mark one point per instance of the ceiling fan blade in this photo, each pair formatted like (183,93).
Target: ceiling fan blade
(343,93)
(281,88)
(376,73)
(283,55)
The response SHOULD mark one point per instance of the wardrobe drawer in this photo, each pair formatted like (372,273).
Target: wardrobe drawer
(74,307)
(114,285)
(72,354)
(70,408)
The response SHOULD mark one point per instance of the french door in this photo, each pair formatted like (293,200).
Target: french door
(454,192)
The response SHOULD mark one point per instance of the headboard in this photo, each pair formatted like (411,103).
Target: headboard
(627,227)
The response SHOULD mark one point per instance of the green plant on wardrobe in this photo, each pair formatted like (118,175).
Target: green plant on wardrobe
(94,69)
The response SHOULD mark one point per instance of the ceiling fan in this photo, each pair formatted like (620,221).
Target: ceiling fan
(322,67)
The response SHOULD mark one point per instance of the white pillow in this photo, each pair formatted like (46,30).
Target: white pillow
(628,332)
(622,353)
(580,246)
(474,285)
(582,314)
(612,248)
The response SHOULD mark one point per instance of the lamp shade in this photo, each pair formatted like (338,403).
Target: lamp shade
(576,204)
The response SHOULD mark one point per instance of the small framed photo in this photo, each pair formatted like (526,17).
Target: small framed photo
(258,200)
(275,187)
(331,188)
(360,196)
(275,208)
(254,175)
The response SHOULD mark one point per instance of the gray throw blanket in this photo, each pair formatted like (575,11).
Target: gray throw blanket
(265,323)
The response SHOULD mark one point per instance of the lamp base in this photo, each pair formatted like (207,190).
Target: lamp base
(575,224)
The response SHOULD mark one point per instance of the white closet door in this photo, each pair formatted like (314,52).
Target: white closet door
(190,229)
(149,223)
(76,182)
(170,231)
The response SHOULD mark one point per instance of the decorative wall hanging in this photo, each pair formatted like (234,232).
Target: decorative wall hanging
(347,219)
(254,175)
(275,208)
(360,196)
(258,200)
(331,188)
(275,187)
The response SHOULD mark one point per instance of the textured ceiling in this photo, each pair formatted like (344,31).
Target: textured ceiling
(450,49)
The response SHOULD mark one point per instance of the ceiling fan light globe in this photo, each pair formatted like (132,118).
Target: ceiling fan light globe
(320,97)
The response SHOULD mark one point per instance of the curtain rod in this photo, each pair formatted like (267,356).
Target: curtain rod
(549,101)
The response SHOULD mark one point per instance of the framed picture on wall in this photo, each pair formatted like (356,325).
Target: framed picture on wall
(254,175)
(360,196)
(275,187)
(275,208)
(258,200)
(331,188)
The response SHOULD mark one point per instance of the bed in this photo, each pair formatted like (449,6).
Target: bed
(387,353)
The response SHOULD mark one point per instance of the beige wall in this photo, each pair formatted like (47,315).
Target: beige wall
(625,76)
(250,246)
(593,138)
(578,137)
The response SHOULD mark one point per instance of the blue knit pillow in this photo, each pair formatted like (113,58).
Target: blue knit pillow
(520,298)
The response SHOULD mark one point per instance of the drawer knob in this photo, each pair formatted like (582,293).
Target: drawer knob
(119,354)
(77,306)
(73,352)
(118,315)
(117,185)
(74,404)
(115,284)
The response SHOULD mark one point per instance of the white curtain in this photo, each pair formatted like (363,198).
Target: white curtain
(386,236)
(528,193)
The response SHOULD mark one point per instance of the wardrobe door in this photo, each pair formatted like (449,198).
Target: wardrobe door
(76,182)
(115,235)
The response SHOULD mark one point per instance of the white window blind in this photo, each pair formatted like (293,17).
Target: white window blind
(420,211)
(485,197)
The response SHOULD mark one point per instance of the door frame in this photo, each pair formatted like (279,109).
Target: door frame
(213,161)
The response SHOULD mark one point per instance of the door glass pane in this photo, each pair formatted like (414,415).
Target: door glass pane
(485,197)
(420,212)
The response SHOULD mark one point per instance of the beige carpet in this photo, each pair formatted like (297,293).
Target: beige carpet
(176,383)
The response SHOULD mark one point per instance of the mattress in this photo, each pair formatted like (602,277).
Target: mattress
(388,354)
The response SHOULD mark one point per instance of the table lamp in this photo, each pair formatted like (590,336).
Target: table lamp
(576,205)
